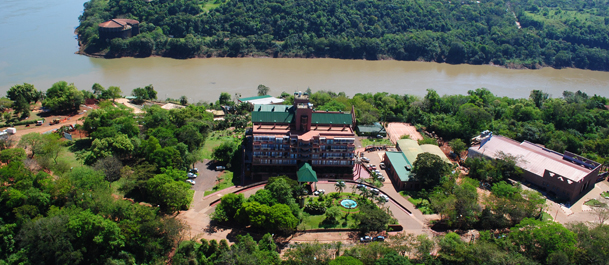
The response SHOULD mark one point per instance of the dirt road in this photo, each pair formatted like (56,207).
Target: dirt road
(21,130)
(125,102)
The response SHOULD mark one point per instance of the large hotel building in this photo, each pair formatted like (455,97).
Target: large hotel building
(286,137)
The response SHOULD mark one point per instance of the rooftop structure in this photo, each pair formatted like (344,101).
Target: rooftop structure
(285,136)
(266,99)
(563,175)
(306,174)
(118,28)
(373,130)
(399,164)
(412,149)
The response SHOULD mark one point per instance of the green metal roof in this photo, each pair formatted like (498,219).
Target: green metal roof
(273,113)
(399,162)
(254,98)
(272,117)
(410,148)
(331,118)
(375,128)
(285,114)
(434,149)
(306,174)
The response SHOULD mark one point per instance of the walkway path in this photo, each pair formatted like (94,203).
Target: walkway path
(575,213)
(412,223)
(125,102)
(198,216)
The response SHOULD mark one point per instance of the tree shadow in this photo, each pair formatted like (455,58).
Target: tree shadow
(355,235)
(80,145)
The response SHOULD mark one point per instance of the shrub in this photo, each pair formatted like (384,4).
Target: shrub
(315,208)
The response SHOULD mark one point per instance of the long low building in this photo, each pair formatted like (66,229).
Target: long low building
(566,176)
(399,164)
(261,100)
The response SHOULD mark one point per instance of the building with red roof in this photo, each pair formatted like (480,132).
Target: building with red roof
(285,137)
(119,28)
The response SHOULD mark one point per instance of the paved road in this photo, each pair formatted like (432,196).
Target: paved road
(410,222)
(198,214)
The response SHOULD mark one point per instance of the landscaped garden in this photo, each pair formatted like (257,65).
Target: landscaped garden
(367,142)
(326,211)
(595,203)
(224,181)
(283,207)
(420,203)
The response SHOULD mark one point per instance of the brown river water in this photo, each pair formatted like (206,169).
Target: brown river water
(39,49)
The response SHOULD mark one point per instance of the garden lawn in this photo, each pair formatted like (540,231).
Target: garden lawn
(68,157)
(316,222)
(595,203)
(367,142)
(421,203)
(225,181)
(212,142)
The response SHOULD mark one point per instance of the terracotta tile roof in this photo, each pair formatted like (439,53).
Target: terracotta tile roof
(118,23)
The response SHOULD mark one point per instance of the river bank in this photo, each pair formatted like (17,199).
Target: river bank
(104,55)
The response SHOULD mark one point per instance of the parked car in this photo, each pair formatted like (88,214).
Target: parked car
(191,181)
(365,159)
(191,175)
(361,186)
(194,170)
(379,136)
(374,191)
(372,167)
(382,165)
(384,197)
(220,168)
(378,238)
(365,239)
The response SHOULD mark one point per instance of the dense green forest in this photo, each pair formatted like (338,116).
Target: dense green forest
(519,33)
(115,202)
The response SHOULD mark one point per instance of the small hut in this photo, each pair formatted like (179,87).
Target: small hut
(119,28)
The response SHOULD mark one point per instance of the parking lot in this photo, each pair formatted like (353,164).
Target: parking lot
(376,159)
(206,179)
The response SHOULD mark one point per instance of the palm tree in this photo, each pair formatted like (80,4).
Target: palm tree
(184,100)
(380,200)
(340,186)
(365,193)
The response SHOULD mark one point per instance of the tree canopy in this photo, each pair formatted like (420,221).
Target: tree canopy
(517,33)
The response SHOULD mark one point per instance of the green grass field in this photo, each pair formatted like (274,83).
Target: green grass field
(214,140)
(558,17)
(211,4)
(421,203)
(595,203)
(367,142)
(316,222)
(226,180)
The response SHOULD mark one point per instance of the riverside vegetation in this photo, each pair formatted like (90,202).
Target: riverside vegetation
(517,33)
(114,203)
